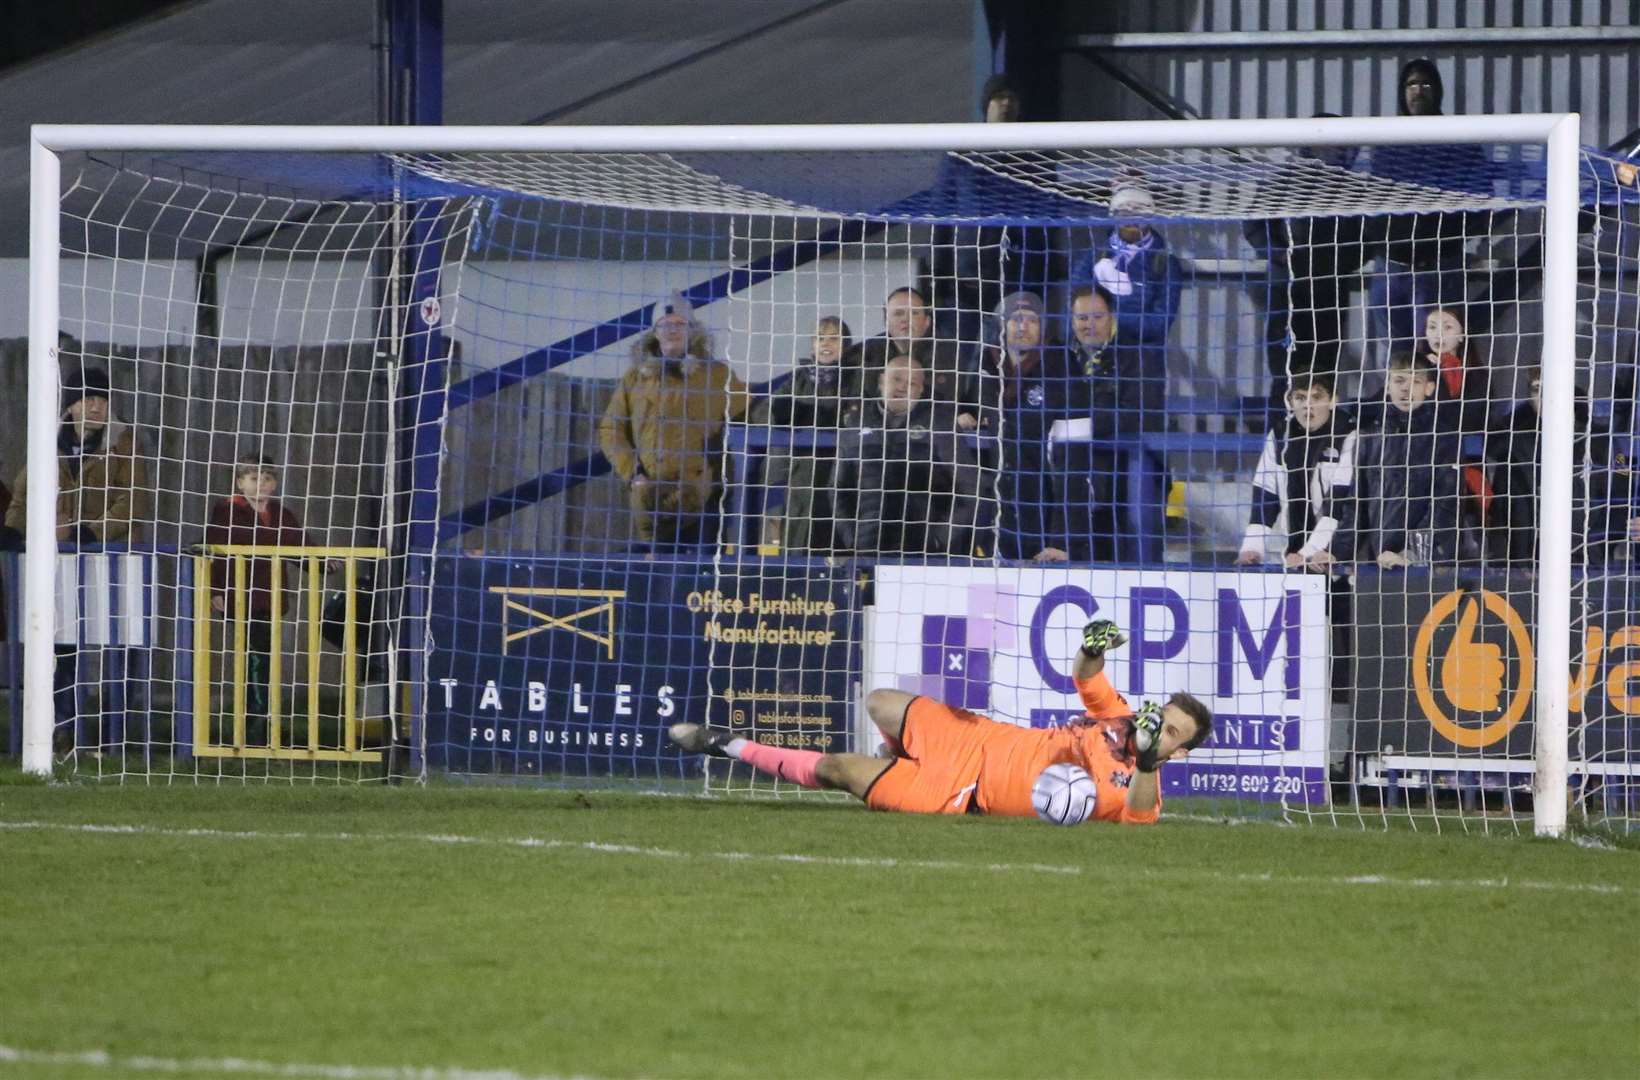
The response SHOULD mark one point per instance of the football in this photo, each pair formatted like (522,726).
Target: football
(1064,794)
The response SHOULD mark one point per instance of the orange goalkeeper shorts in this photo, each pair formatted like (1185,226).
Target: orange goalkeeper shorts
(944,749)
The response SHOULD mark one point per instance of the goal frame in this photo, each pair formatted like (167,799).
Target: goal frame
(1558,133)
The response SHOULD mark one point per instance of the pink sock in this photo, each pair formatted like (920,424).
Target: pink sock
(795,766)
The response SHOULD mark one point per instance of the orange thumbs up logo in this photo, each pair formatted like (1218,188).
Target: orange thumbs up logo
(1472,674)
(1472,671)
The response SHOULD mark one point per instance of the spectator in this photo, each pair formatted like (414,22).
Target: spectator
(970,267)
(102,488)
(102,483)
(1304,481)
(1463,389)
(1614,492)
(1462,375)
(253,516)
(907,326)
(906,482)
(810,403)
(1421,255)
(1136,269)
(1119,385)
(661,429)
(1303,296)
(1034,377)
(1000,100)
(1515,450)
(1406,475)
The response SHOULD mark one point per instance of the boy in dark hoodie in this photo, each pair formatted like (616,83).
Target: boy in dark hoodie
(1421,255)
(1406,475)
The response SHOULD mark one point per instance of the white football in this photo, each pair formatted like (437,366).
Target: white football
(1064,794)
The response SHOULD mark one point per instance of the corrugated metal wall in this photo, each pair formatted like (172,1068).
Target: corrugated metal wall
(1599,80)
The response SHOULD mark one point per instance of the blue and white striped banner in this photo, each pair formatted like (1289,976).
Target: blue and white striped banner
(105,599)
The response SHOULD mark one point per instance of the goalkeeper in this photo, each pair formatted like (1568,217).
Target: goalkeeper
(950,761)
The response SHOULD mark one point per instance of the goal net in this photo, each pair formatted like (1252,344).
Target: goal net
(498,457)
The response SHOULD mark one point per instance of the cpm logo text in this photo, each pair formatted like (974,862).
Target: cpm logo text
(1250,643)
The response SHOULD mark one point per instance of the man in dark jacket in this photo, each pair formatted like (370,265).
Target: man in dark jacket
(906,482)
(809,407)
(1135,269)
(971,266)
(1303,295)
(1119,386)
(1406,476)
(1421,255)
(908,328)
(1514,450)
(1027,379)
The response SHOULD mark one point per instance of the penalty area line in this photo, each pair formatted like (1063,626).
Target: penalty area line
(234,1066)
(597,847)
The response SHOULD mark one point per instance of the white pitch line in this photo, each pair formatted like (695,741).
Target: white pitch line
(798,858)
(101,1059)
(548,843)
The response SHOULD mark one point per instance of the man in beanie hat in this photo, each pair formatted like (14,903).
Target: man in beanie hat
(102,484)
(1135,268)
(661,429)
(1027,378)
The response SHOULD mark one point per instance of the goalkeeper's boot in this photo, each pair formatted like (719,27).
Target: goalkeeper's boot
(700,739)
(1100,636)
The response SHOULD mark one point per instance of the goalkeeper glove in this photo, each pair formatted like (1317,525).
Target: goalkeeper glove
(1100,636)
(1147,736)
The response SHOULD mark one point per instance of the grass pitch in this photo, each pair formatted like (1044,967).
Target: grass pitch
(558,934)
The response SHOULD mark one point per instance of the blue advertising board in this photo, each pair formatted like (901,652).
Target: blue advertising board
(569,667)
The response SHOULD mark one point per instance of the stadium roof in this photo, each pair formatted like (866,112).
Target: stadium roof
(567,61)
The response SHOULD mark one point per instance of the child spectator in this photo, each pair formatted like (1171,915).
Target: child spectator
(906,483)
(811,402)
(1304,481)
(253,516)
(1407,475)
(660,431)
(1464,391)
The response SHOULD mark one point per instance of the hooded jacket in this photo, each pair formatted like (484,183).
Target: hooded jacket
(1433,239)
(102,488)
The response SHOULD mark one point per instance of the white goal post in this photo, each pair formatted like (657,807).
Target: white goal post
(1557,134)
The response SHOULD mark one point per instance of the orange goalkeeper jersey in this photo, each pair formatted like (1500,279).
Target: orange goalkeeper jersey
(1014,757)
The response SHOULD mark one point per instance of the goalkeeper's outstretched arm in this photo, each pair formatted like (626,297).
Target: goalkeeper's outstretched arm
(1086,667)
